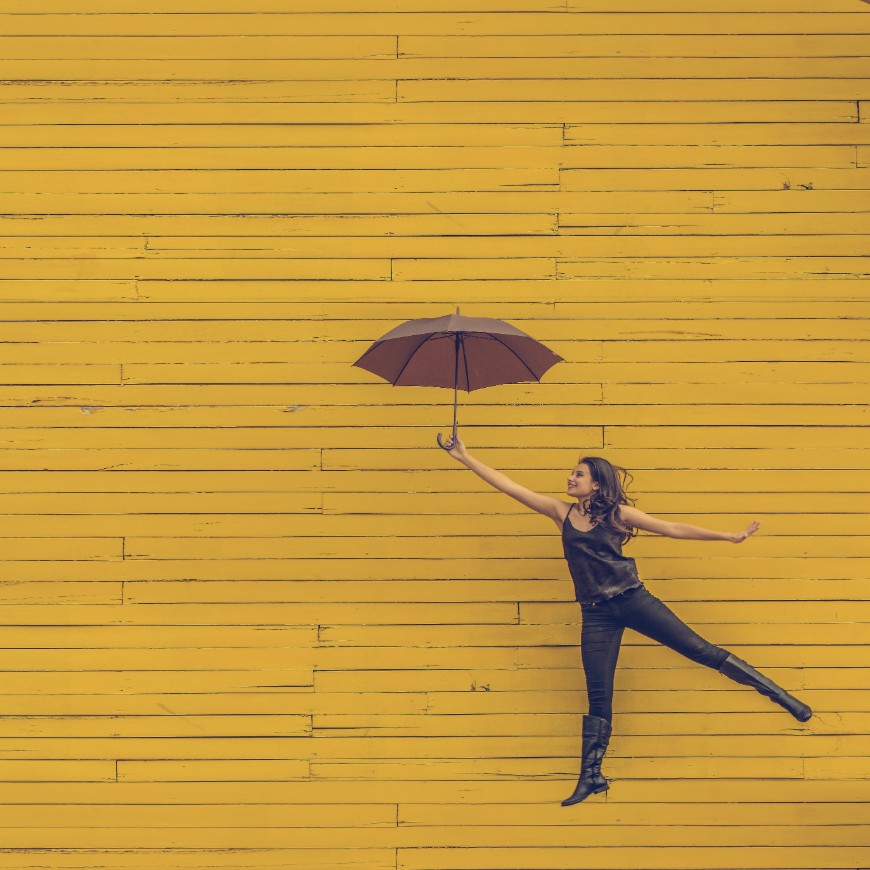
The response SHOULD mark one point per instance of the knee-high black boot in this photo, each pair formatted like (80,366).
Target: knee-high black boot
(596,735)
(743,673)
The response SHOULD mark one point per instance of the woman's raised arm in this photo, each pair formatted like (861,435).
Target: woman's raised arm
(543,504)
(634,517)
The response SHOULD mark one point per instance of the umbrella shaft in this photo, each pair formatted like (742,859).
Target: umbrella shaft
(456,387)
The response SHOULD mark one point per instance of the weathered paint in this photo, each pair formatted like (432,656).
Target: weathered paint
(252,616)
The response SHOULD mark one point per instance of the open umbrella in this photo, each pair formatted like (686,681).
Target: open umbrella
(466,353)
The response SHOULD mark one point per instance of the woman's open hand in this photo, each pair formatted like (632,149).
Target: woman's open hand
(455,448)
(751,529)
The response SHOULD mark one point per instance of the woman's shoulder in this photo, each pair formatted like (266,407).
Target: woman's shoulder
(562,510)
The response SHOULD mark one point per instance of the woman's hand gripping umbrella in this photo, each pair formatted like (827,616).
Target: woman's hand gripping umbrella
(466,353)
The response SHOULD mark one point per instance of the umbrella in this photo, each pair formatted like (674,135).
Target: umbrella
(466,353)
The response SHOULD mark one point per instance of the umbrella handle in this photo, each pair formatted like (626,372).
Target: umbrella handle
(441,443)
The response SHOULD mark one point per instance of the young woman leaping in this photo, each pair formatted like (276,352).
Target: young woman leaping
(612,597)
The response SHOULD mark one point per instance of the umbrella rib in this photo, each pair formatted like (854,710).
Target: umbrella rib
(516,355)
(410,357)
(465,360)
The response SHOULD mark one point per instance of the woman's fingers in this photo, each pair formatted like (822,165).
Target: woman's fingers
(751,529)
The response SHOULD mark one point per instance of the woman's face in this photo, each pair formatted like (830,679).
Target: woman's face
(580,483)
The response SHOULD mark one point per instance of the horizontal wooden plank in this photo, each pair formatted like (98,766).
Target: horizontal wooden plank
(254,680)
(266,615)
(366,396)
(277,47)
(712,699)
(506,458)
(438,816)
(803,185)
(685,676)
(61,591)
(420,224)
(791,613)
(457,482)
(809,44)
(298,373)
(128,637)
(796,328)
(331,156)
(672,567)
(412,547)
(303,137)
(726,223)
(226,703)
(709,135)
(679,268)
(692,221)
(634,858)
(168,62)
(568,634)
(297,661)
(526,527)
(306,362)
(206,591)
(555,91)
(144,460)
(238,725)
(384,192)
(432,23)
(153,858)
(772,734)
(79,103)
(512,796)
(70,770)
(842,839)
(418,6)
(480,252)
(809,202)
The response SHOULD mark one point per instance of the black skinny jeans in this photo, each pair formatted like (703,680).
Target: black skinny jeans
(601,635)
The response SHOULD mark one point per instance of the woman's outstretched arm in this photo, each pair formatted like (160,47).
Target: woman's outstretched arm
(634,517)
(543,504)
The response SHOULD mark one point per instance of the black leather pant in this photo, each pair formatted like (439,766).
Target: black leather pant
(601,636)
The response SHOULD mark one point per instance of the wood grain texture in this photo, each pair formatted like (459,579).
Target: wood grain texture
(251,616)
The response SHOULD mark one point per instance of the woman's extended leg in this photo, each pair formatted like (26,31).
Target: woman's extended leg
(651,617)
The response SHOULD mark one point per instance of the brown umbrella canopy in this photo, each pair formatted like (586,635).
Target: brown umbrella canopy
(466,353)
(424,352)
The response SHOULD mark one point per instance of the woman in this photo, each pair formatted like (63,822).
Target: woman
(612,597)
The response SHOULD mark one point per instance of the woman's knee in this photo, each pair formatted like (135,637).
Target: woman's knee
(602,711)
(705,653)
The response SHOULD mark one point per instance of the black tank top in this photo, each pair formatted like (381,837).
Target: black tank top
(597,566)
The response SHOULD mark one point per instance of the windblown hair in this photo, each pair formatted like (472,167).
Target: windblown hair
(604,503)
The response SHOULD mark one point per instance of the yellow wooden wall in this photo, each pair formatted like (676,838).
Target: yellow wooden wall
(252,617)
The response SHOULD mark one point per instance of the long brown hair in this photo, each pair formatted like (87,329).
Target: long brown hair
(604,503)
